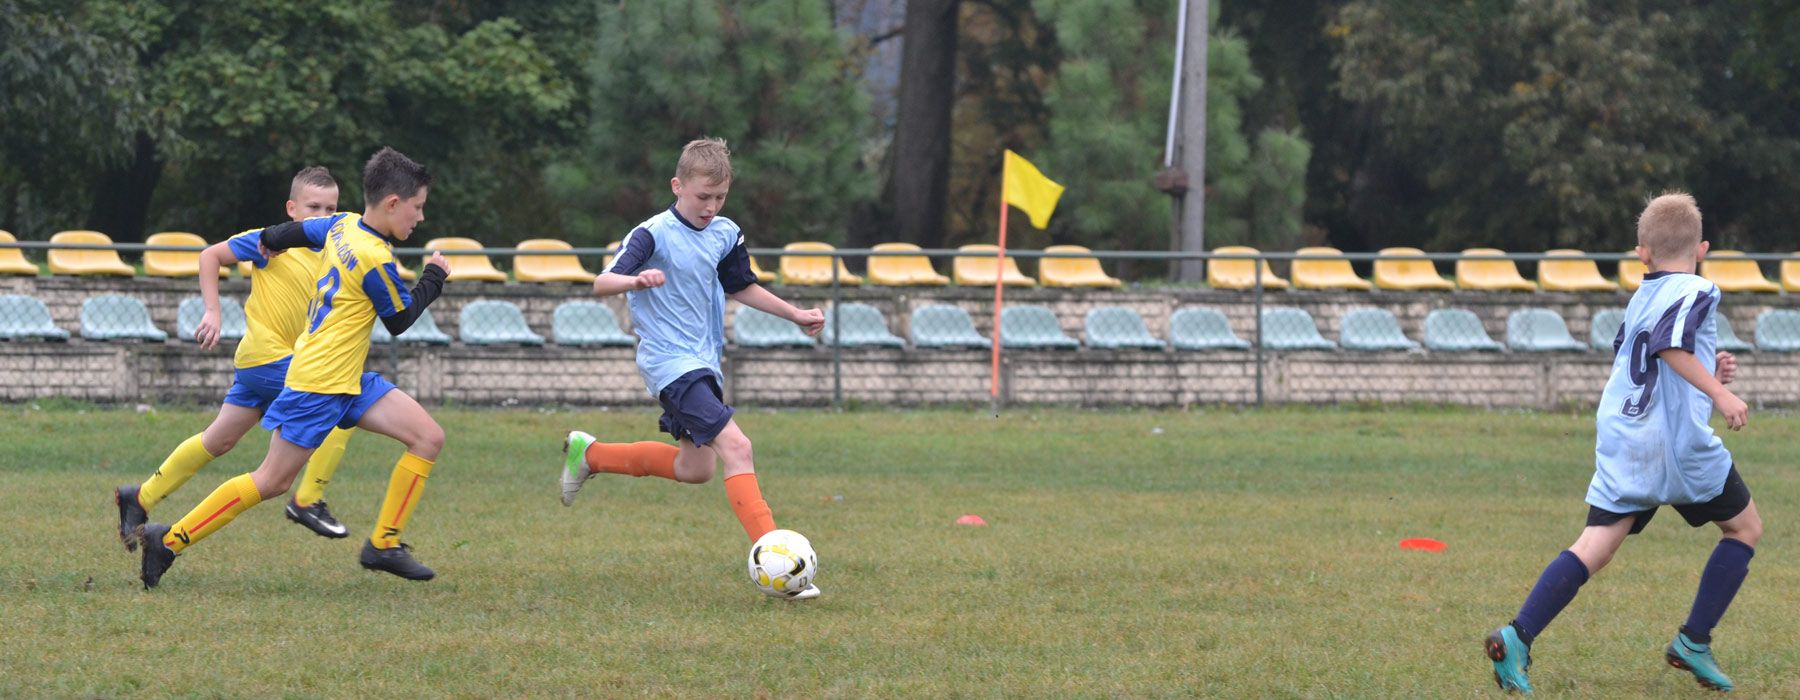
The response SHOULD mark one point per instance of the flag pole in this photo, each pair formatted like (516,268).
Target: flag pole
(999,284)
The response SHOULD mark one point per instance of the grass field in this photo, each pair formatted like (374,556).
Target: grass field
(1128,554)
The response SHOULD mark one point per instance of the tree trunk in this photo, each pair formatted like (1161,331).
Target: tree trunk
(921,176)
(122,199)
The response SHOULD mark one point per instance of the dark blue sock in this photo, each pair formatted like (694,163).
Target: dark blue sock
(1554,589)
(1719,582)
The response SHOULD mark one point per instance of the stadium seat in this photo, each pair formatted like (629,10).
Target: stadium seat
(1074,272)
(173,263)
(86,262)
(1456,330)
(1577,274)
(762,276)
(1484,269)
(233,325)
(1371,329)
(1631,272)
(1735,275)
(1195,328)
(1291,328)
(23,317)
(1027,327)
(1239,274)
(751,328)
(1790,273)
(945,326)
(1117,328)
(863,327)
(814,271)
(425,330)
(1408,275)
(12,260)
(1540,330)
(118,317)
(547,268)
(1318,269)
(473,268)
(1778,330)
(978,269)
(580,323)
(1728,338)
(1604,328)
(903,270)
(494,322)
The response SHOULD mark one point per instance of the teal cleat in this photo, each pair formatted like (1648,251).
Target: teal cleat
(1512,658)
(1696,658)
(575,469)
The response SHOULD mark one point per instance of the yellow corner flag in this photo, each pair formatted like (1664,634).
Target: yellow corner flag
(1024,187)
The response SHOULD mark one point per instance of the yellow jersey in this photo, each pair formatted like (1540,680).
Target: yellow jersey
(357,282)
(280,290)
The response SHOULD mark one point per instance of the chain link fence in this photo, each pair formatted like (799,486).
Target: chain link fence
(522,327)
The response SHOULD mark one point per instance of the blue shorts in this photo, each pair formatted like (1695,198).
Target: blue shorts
(305,418)
(694,407)
(256,387)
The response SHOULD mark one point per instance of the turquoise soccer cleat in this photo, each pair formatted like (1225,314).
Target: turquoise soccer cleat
(1697,658)
(1512,658)
(575,469)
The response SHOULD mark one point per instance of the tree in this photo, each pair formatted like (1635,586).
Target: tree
(921,175)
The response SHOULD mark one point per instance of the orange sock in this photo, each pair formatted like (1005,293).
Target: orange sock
(633,459)
(747,502)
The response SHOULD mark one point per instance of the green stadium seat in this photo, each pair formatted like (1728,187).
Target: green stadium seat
(1778,330)
(494,322)
(1604,328)
(582,323)
(1457,330)
(118,317)
(1372,330)
(233,325)
(1291,328)
(946,327)
(1538,329)
(1027,327)
(1728,338)
(423,331)
(863,327)
(25,318)
(1118,328)
(751,328)
(1196,328)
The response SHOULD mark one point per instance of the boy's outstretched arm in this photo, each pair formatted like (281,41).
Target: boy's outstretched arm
(1689,368)
(756,297)
(611,283)
(215,256)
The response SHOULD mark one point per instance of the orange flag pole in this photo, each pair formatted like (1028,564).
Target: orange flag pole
(999,285)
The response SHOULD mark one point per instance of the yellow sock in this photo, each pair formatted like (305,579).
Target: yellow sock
(180,466)
(225,503)
(322,466)
(404,488)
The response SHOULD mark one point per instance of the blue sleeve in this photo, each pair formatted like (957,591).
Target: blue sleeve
(1679,325)
(245,247)
(734,269)
(382,286)
(638,247)
(317,227)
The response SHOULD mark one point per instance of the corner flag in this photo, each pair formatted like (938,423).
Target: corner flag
(1022,186)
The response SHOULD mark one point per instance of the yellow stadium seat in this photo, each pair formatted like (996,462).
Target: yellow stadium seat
(86,262)
(1492,274)
(762,276)
(1577,275)
(1320,271)
(1631,272)
(813,270)
(466,267)
(903,271)
(978,270)
(1737,275)
(1410,275)
(613,249)
(172,263)
(549,268)
(1239,273)
(12,260)
(1073,272)
(1790,274)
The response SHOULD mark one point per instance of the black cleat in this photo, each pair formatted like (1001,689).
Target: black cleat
(131,515)
(157,556)
(317,518)
(398,561)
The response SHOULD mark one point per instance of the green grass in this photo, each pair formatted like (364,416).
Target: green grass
(1231,554)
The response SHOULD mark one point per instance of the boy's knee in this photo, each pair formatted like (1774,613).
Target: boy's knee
(217,445)
(1749,532)
(427,441)
(733,448)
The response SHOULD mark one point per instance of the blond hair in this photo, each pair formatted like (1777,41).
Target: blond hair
(1670,226)
(705,157)
(314,176)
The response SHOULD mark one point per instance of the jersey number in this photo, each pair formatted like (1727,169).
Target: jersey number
(321,303)
(1643,374)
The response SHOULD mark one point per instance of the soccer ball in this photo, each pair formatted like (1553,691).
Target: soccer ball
(782,563)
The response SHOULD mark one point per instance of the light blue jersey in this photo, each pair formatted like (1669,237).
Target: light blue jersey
(1655,445)
(681,325)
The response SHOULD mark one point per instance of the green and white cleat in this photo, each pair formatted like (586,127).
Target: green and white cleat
(811,592)
(1696,658)
(1511,657)
(575,469)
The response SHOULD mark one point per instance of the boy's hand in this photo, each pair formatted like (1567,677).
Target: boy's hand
(438,259)
(811,320)
(1726,367)
(266,253)
(1733,408)
(207,333)
(648,279)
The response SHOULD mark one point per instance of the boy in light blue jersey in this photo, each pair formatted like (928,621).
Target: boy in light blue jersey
(1654,448)
(675,270)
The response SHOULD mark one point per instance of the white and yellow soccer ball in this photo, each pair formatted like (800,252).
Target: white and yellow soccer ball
(782,563)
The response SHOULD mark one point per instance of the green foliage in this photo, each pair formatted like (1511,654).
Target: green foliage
(772,78)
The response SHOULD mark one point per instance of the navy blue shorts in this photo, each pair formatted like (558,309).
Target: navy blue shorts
(305,418)
(1725,506)
(694,407)
(256,387)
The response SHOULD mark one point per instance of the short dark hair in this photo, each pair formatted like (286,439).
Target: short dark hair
(313,176)
(390,172)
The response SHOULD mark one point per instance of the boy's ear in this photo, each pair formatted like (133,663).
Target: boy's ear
(1644,256)
(1700,250)
(675,186)
(291,206)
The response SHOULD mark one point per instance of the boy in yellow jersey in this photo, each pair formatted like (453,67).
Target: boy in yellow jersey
(326,386)
(275,315)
